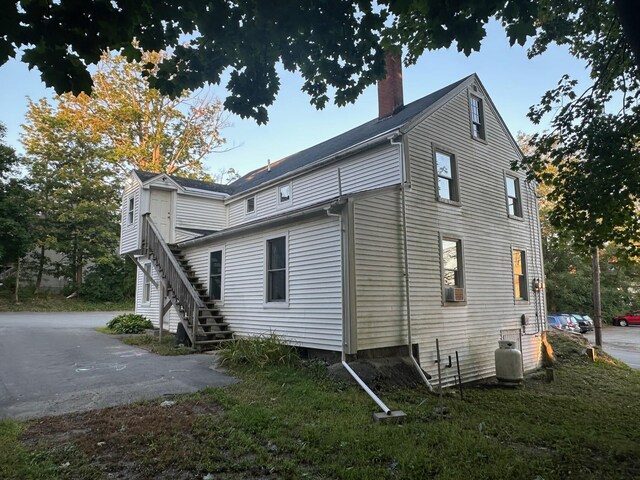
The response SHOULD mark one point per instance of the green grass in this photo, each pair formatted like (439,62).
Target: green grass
(106,330)
(57,303)
(166,348)
(294,422)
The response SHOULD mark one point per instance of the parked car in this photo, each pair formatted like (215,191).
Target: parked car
(584,322)
(632,318)
(564,321)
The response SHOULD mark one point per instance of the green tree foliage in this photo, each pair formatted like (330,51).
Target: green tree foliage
(569,281)
(111,281)
(75,193)
(138,127)
(334,44)
(15,215)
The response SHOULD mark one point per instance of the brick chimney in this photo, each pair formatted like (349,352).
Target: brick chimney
(390,88)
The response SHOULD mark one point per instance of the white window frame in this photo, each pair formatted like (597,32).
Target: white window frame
(131,209)
(461,268)
(277,303)
(222,271)
(284,203)
(481,113)
(146,283)
(524,299)
(246,206)
(519,211)
(454,181)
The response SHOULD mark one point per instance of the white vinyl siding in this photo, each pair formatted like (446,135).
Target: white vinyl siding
(312,317)
(366,171)
(379,264)
(487,233)
(200,213)
(130,232)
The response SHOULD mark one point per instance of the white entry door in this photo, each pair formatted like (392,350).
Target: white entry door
(161,212)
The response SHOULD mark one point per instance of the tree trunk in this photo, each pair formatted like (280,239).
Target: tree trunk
(597,306)
(16,292)
(78,273)
(40,270)
(630,21)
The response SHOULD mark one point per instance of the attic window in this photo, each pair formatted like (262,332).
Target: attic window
(477,118)
(251,205)
(132,204)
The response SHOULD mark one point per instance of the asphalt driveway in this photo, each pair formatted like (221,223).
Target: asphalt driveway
(622,343)
(54,363)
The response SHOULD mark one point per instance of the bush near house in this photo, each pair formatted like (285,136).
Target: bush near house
(129,323)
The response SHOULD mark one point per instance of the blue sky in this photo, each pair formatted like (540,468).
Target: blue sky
(513,82)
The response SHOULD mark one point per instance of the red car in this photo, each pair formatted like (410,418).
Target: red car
(632,318)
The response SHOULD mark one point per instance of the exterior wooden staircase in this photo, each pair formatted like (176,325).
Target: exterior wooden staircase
(202,321)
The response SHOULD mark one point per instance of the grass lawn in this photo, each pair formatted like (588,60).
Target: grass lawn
(294,422)
(166,348)
(57,303)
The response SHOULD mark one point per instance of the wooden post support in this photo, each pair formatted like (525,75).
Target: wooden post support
(162,294)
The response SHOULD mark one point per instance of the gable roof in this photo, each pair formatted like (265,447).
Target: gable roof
(187,183)
(322,151)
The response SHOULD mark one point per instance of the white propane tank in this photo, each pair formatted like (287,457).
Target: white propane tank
(508,362)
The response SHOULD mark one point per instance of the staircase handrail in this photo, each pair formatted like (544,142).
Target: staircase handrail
(181,286)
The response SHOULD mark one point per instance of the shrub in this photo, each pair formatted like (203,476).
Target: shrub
(129,323)
(112,281)
(259,351)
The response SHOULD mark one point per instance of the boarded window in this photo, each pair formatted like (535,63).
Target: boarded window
(514,202)
(477,118)
(519,275)
(215,275)
(277,270)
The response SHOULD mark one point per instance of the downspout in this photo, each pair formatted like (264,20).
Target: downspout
(361,382)
(407,282)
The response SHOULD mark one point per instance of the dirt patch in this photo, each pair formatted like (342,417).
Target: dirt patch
(133,442)
(381,374)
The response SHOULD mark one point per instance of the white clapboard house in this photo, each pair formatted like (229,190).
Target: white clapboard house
(409,228)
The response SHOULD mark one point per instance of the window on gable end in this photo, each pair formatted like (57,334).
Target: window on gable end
(452,270)
(447,176)
(132,204)
(477,118)
(519,260)
(514,199)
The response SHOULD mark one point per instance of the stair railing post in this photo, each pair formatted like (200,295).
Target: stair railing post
(194,321)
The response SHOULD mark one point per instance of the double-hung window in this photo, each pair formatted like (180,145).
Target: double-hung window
(447,177)
(519,274)
(215,275)
(477,118)
(250,205)
(452,274)
(514,200)
(277,269)
(146,286)
(132,203)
